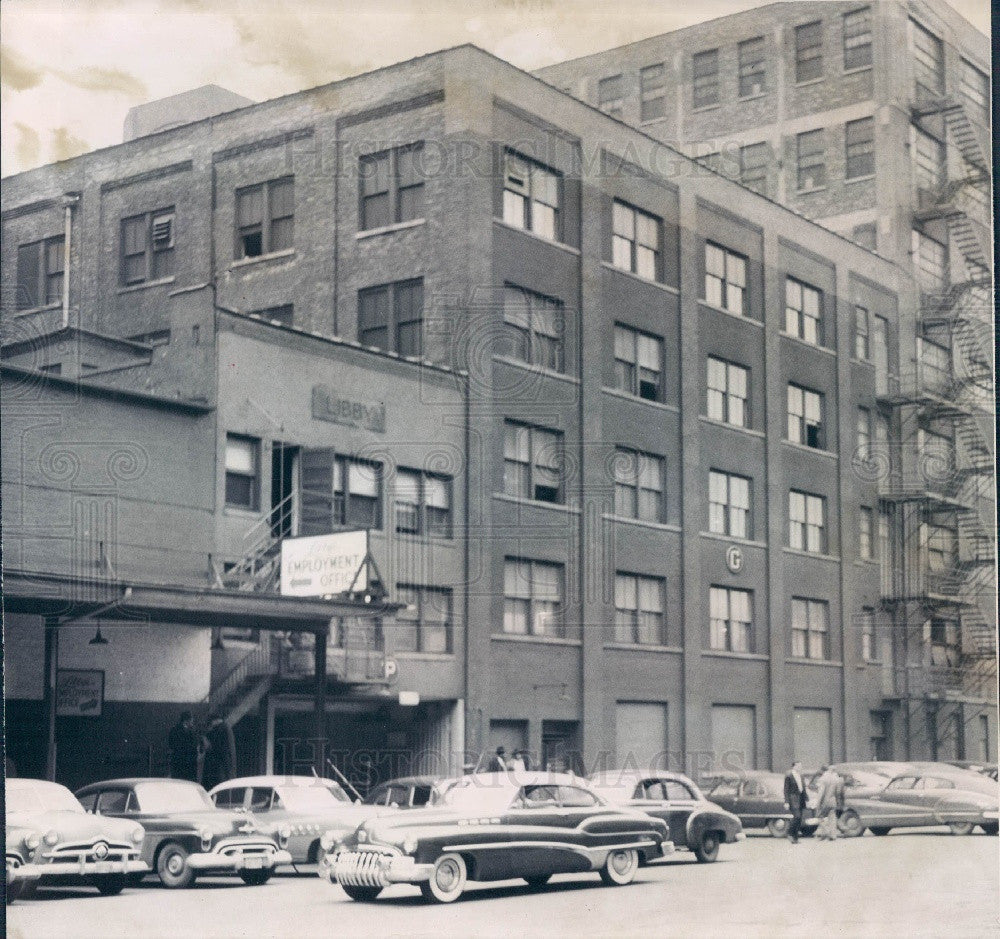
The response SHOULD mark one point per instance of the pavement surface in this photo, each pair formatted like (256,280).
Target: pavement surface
(915,883)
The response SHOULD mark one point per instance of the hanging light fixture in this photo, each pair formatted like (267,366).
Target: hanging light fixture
(98,639)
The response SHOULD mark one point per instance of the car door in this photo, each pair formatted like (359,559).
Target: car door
(540,830)
(730,795)
(681,802)
(900,804)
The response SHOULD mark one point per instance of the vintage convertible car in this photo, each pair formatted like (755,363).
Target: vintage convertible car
(695,823)
(306,805)
(920,797)
(50,838)
(185,834)
(496,826)
(756,797)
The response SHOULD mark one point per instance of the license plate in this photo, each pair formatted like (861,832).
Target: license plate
(104,867)
(253,862)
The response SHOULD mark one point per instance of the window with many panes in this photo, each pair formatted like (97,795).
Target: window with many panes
(265,218)
(705,73)
(865,533)
(750,59)
(806,522)
(805,417)
(725,278)
(944,638)
(857,39)
(635,240)
(810,629)
(638,485)
(864,434)
(530,196)
(533,598)
(40,273)
(940,547)
(975,88)
(392,186)
(242,472)
(753,167)
(860,147)
(638,363)
(867,624)
(934,365)
(803,314)
(639,615)
(338,492)
(928,62)
(862,334)
(391,316)
(928,162)
(610,95)
(811,149)
(534,328)
(653,92)
(147,246)
(728,392)
(532,462)
(729,504)
(423,503)
(424,623)
(930,257)
(809,51)
(730,617)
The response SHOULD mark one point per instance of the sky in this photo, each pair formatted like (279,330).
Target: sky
(69,71)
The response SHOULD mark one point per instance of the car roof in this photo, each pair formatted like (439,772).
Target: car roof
(276,780)
(412,781)
(26,784)
(742,774)
(517,778)
(128,782)
(617,777)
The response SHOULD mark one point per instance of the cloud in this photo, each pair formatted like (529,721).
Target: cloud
(17,73)
(110,80)
(28,149)
(64,145)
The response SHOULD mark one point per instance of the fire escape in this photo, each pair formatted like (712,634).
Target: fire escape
(940,492)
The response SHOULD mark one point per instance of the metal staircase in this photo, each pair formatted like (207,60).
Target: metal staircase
(259,568)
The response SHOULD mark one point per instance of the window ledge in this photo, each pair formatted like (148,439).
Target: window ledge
(808,345)
(389,229)
(814,555)
(702,108)
(754,97)
(865,362)
(640,522)
(39,309)
(848,180)
(749,542)
(642,280)
(536,369)
(625,396)
(829,454)
(643,647)
(825,663)
(537,503)
(857,70)
(546,640)
(147,284)
(743,430)
(810,81)
(725,654)
(653,120)
(545,241)
(809,192)
(866,562)
(263,258)
(425,656)
(743,318)
(446,541)
(239,512)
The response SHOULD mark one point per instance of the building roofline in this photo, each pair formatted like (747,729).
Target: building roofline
(21,344)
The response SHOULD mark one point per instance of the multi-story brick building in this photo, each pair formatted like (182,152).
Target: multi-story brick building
(600,418)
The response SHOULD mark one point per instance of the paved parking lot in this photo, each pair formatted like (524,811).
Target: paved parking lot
(919,883)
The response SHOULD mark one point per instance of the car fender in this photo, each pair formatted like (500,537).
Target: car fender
(705,819)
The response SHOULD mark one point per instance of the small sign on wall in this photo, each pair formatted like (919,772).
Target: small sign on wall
(79,692)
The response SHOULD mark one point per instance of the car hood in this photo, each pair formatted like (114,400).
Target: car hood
(74,826)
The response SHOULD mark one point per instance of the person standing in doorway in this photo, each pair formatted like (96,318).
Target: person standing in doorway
(183,744)
(219,754)
(795,798)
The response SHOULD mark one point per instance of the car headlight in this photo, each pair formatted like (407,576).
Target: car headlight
(32,842)
(327,840)
(206,839)
(284,833)
(362,835)
(51,837)
(137,835)
(409,844)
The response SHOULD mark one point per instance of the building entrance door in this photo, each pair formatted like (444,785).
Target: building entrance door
(284,490)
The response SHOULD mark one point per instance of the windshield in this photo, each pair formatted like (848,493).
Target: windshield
(472,796)
(160,798)
(45,797)
(311,798)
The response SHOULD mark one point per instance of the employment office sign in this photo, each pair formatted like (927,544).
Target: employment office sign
(324,564)
(329,405)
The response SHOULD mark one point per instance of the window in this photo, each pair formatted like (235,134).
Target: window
(530,196)
(811,160)
(424,625)
(391,317)
(147,247)
(941,547)
(638,485)
(265,218)
(805,417)
(807,522)
(276,314)
(928,162)
(638,363)
(534,325)
(610,96)
(810,630)
(40,273)
(423,503)
(533,598)
(729,504)
(639,609)
(930,258)
(753,167)
(809,51)
(242,472)
(803,317)
(860,143)
(730,613)
(339,492)
(635,242)
(532,463)
(392,186)
(705,69)
(867,634)
(862,334)
(975,88)
(857,39)
(725,278)
(750,55)
(864,428)
(865,533)
(653,92)
(945,645)
(928,63)
(934,365)
(866,236)
(728,391)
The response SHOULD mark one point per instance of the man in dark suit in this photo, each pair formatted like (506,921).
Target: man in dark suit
(795,798)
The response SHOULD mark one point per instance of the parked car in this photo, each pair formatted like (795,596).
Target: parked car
(307,806)
(51,839)
(493,826)
(984,769)
(921,797)
(695,823)
(186,835)
(407,792)
(756,798)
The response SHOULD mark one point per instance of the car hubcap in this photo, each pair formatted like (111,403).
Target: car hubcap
(447,876)
(620,862)
(175,864)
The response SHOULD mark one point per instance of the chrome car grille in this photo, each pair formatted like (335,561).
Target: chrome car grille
(360,868)
(231,846)
(92,851)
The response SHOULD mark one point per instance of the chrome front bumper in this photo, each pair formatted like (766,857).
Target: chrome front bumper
(237,861)
(372,869)
(667,847)
(74,869)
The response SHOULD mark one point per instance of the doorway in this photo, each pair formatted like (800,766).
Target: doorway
(284,490)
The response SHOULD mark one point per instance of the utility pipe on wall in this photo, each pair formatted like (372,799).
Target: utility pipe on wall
(69,200)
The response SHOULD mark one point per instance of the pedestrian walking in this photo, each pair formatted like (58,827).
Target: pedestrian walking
(220,756)
(498,762)
(795,799)
(183,743)
(826,805)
